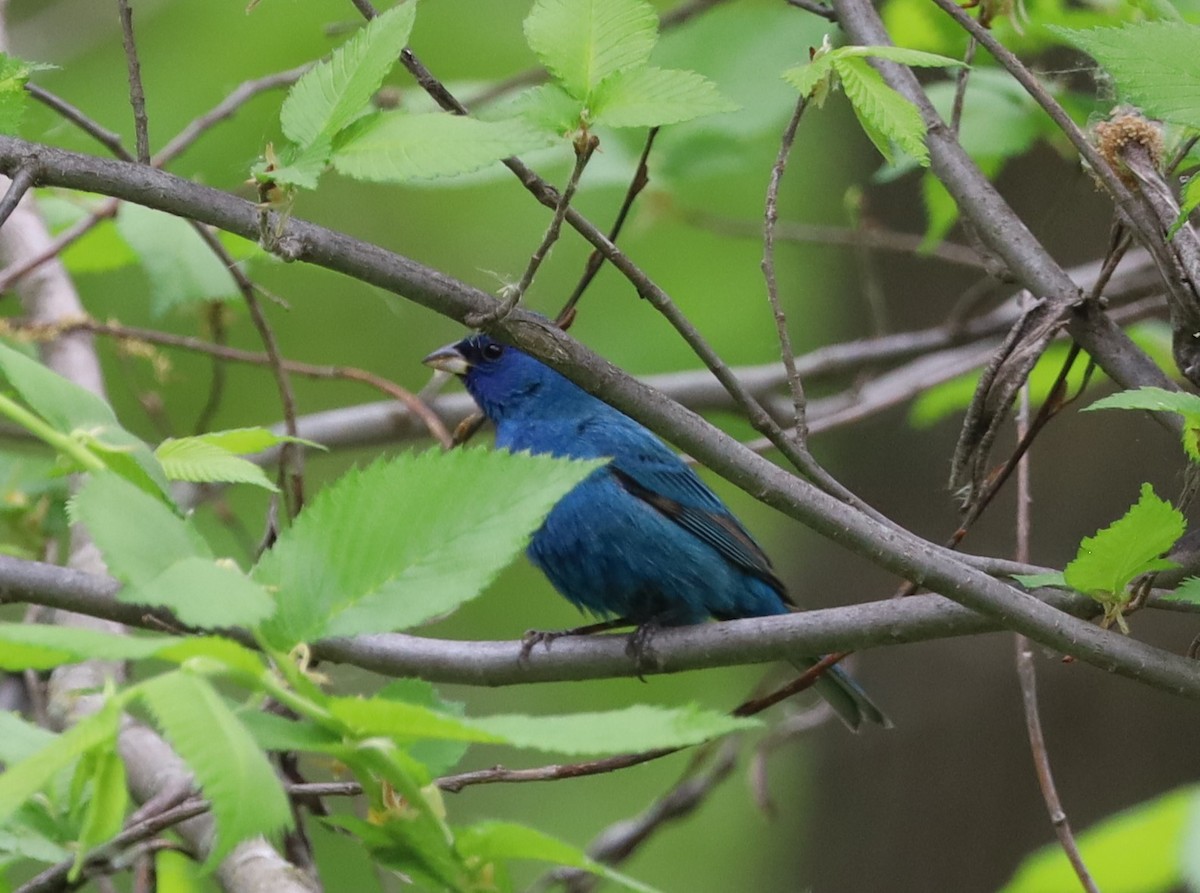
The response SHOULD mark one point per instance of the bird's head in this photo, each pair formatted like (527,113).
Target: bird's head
(504,381)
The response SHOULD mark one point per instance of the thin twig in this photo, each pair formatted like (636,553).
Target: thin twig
(215,319)
(54,879)
(960,85)
(585,146)
(22,180)
(770,219)
(641,177)
(1027,671)
(870,237)
(137,97)
(291,457)
(107,138)
(818,9)
(415,404)
(226,108)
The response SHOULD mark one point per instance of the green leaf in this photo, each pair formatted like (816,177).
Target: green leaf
(1138,850)
(206,593)
(198,460)
(640,727)
(582,42)
(548,107)
(438,757)
(1037,581)
(276,733)
(26,843)
(1156,399)
(230,769)
(490,842)
(106,806)
(911,58)
(393,147)
(1189,200)
(33,646)
(138,535)
(20,739)
(813,79)
(650,97)
(181,268)
(339,90)
(297,166)
(245,441)
(206,654)
(1154,64)
(22,780)
(404,723)
(1188,592)
(406,540)
(14,73)
(885,115)
(1128,547)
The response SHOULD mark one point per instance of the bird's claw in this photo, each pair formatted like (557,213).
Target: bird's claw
(640,648)
(532,638)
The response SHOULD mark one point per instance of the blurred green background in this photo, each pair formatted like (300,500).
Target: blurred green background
(946,801)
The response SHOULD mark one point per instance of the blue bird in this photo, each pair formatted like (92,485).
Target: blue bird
(642,539)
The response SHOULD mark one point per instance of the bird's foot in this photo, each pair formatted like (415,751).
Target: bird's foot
(641,648)
(534,637)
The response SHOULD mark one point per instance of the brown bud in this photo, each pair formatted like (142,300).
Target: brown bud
(1114,137)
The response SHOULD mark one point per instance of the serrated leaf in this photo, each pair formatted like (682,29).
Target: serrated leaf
(202,653)
(22,780)
(651,97)
(812,79)
(1157,399)
(204,593)
(245,441)
(1154,64)
(1188,592)
(582,42)
(33,646)
(490,842)
(230,769)
(1138,850)
(550,108)
(394,147)
(106,806)
(14,73)
(334,93)
(138,535)
(405,540)
(640,727)
(1037,581)
(903,55)
(275,733)
(404,723)
(438,757)
(198,460)
(884,114)
(298,166)
(27,843)
(181,268)
(1128,547)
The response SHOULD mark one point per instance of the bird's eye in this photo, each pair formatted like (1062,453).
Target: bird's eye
(492,351)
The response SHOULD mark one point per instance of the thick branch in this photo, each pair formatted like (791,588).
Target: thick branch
(758,640)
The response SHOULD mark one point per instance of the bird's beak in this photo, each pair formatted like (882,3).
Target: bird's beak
(448,359)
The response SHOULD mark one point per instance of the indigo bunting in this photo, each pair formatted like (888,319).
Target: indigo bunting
(642,539)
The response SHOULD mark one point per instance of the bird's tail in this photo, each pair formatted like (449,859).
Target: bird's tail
(845,696)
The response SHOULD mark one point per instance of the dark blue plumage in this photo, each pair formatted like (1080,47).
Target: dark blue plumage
(642,538)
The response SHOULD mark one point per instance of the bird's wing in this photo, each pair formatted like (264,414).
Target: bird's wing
(677,492)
